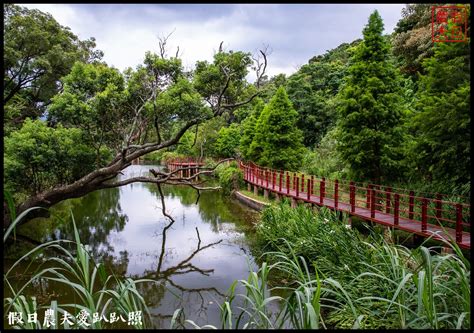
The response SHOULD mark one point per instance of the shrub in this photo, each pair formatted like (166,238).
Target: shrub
(230,176)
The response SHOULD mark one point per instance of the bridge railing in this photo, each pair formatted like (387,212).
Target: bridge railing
(421,210)
(183,160)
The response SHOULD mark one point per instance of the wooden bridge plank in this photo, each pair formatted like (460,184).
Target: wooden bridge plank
(383,218)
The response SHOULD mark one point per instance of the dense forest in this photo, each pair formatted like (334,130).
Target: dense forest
(388,108)
(392,109)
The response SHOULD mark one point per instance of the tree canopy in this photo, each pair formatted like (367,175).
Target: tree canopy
(38,51)
(277,141)
(370,116)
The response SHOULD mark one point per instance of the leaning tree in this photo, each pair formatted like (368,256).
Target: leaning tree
(119,117)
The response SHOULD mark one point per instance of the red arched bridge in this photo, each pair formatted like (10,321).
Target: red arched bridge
(397,208)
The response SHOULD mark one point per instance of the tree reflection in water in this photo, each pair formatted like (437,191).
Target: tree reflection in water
(114,240)
(185,266)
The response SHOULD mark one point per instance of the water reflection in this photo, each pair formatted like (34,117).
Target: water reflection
(193,259)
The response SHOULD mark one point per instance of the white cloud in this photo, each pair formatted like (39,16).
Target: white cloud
(295,32)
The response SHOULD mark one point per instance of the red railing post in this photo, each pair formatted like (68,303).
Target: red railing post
(396,209)
(302,183)
(287,182)
(281,177)
(387,200)
(369,187)
(458,223)
(372,202)
(352,196)
(321,190)
(274,179)
(424,206)
(411,204)
(309,188)
(262,177)
(266,176)
(297,186)
(312,184)
(336,193)
(438,205)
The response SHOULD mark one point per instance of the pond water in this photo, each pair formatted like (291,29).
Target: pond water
(195,259)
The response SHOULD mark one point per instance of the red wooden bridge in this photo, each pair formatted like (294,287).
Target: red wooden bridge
(188,164)
(397,208)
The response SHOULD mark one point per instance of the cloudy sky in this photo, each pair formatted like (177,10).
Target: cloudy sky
(295,33)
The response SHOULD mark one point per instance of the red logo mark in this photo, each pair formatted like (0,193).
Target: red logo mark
(449,24)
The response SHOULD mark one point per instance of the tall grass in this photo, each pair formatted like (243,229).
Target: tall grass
(389,285)
(87,281)
(337,278)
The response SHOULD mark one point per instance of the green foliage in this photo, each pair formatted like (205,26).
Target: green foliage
(207,137)
(210,77)
(181,102)
(277,141)
(441,122)
(366,282)
(186,144)
(38,51)
(307,231)
(243,112)
(91,100)
(271,86)
(228,140)
(230,177)
(412,40)
(311,90)
(38,157)
(249,126)
(369,133)
(324,161)
(170,155)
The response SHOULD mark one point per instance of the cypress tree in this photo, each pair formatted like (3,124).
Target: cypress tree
(369,134)
(249,126)
(277,141)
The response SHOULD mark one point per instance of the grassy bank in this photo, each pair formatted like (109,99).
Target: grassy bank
(335,277)
(367,281)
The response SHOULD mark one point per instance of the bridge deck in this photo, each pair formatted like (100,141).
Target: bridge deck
(409,225)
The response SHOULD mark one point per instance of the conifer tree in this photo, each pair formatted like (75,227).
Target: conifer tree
(369,134)
(249,126)
(277,141)
(441,121)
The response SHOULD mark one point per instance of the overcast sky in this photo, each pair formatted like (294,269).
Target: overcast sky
(295,33)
